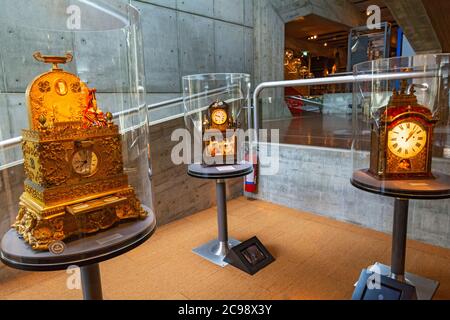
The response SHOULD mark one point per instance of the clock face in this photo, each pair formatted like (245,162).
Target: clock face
(85,162)
(219,116)
(407,139)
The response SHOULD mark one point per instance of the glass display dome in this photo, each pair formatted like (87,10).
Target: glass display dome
(74,151)
(214,106)
(401,118)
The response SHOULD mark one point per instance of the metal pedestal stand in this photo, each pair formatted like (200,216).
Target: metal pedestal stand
(91,282)
(86,253)
(216,250)
(403,191)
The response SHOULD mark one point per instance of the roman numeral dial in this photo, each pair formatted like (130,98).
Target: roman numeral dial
(407,139)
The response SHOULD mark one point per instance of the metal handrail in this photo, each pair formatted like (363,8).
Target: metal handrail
(329,80)
(18,140)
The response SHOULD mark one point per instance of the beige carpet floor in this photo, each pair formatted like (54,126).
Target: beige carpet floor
(317,258)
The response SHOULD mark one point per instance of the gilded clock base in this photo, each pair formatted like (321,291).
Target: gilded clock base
(40,230)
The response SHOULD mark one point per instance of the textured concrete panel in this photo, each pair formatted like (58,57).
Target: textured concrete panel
(17,48)
(318,180)
(413,18)
(17,113)
(165,3)
(196,44)
(17,13)
(249,54)
(11,187)
(339,11)
(289,9)
(2,74)
(229,47)
(160,36)
(248,12)
(169,111)
(5,128)
(202,7)
(101,60)
(229,10)
(13,118)
(269,61)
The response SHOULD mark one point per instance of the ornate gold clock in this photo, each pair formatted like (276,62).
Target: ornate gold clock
(73,162)
(401,143)
(220,142)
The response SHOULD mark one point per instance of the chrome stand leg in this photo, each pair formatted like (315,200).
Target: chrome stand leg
(221,198)
(216,250)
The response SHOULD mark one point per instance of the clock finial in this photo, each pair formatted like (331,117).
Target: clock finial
(54,60)
(404,86)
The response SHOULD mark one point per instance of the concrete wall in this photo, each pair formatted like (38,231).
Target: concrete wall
(412,17)
(192,36)
(341,11)
(269,57)
(181,37)
(317,180)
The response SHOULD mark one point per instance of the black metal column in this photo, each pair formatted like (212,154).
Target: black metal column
(399,236)
(221,197)
(91,282)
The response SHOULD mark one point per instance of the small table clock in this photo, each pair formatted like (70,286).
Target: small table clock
(401,143)
(219,137)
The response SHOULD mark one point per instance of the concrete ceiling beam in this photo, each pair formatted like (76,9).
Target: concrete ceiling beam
(341,11)
(412,17)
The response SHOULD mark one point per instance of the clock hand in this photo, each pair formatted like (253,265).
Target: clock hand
(410,136)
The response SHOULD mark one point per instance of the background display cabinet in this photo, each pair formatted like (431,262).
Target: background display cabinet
(401,146)
(214,106)
(74,129)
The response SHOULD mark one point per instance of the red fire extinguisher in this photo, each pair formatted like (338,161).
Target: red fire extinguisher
(251,180)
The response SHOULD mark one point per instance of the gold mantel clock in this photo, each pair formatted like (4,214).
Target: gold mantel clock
(401,143)
(219,138)
(75,181)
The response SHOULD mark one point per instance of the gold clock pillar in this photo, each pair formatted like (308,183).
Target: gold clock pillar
(75,181)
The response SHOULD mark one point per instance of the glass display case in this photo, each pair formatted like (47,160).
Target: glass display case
(74,150)
(400,147)
(401,130)
(214,106)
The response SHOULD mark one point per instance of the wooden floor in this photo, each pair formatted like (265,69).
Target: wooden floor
(317,258)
